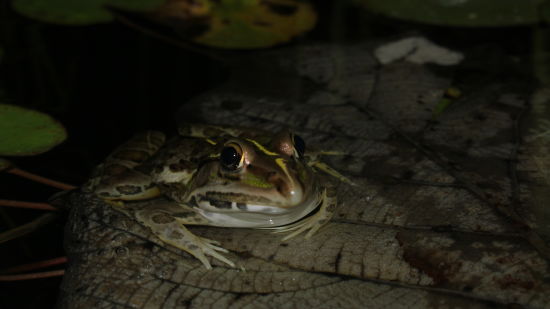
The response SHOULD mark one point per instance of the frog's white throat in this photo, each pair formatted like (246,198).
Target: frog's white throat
(259,216)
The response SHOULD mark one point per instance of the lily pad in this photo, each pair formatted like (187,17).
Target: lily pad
(26,132)
(82,12)
(239,24)
(471,13)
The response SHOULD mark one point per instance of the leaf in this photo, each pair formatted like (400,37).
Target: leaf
(535,161)
(240,24)
(472,13)
(81,12)
(430,223)
(25,132)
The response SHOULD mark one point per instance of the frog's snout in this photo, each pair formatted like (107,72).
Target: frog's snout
(287,187)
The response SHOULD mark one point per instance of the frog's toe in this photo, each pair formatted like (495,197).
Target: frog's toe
(294,234)
(313,230)
(210,242)
(213,253)
(201,247)
(201,257)
(313,223)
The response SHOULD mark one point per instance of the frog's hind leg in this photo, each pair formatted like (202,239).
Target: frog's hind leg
(130,186)
(171,230)
(118,168)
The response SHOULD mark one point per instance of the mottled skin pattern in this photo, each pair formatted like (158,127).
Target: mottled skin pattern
(218,176)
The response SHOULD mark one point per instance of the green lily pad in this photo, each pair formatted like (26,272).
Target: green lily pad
(78,12)
(239,24)
(470,13)
(25,132)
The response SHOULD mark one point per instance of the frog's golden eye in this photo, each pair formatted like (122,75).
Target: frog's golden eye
(231,157)
(299,145)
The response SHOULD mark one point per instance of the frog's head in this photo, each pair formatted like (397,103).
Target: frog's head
(254,184)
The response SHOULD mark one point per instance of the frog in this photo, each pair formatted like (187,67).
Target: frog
(222,176)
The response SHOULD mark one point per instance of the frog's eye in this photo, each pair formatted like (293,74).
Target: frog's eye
(232,157)
(299,145)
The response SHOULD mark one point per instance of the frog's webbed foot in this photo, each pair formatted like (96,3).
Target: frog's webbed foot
(171,231)
(200,247)
(314,222)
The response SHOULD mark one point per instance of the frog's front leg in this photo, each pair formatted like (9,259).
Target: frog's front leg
(167,222)
(314,222)
(332,172)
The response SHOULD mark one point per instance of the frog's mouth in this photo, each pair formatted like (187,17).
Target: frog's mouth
(254,214)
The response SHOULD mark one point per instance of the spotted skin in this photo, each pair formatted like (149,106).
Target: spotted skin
(271,185)
(115,177)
